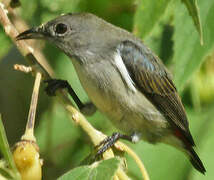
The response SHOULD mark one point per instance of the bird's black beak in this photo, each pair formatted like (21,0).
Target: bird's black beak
(33,33)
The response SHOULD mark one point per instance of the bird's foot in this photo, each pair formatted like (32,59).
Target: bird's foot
(54,85)
(110,141)
(88,109)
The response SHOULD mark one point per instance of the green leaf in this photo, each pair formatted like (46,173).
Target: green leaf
(104,170)
(5,149)
(160,38)
(117,12)
(189,54)
(194,13)
(147,15)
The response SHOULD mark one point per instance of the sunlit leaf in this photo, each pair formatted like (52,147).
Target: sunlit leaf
(189,54)
(194,13)
(104,170)
(147,15)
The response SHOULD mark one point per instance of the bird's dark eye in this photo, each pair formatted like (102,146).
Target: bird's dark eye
(61,28)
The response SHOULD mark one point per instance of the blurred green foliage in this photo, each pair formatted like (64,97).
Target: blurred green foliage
(168,29)
(188,61)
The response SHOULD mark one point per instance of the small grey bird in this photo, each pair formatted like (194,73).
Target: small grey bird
(123,79)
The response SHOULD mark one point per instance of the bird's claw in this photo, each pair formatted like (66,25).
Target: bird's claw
(54,85)
(88,109)
(107,143)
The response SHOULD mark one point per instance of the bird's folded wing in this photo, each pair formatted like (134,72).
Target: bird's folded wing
(152,79)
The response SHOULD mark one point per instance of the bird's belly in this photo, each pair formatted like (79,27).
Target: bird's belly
(102,99)
(129,111)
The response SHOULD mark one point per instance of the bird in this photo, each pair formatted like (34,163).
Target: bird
(124,80)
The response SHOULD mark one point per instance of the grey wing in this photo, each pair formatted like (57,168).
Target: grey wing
(152,79)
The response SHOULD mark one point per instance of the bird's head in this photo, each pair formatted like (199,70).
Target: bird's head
(72,33)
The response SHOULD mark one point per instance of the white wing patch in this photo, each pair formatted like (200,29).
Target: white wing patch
(123,71)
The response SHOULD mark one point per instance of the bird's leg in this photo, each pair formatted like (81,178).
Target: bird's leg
(55,84)
(111,140)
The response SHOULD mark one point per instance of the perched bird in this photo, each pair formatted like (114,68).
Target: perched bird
(123,79)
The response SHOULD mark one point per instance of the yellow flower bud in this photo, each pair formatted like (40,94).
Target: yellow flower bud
(26,157)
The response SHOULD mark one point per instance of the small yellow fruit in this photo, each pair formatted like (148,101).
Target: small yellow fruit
(26,157)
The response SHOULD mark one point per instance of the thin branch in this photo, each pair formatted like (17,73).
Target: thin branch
(138,161)
(29,53)
(22,68)
(29,131)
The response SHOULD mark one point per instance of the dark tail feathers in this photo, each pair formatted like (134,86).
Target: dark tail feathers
(195,160)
